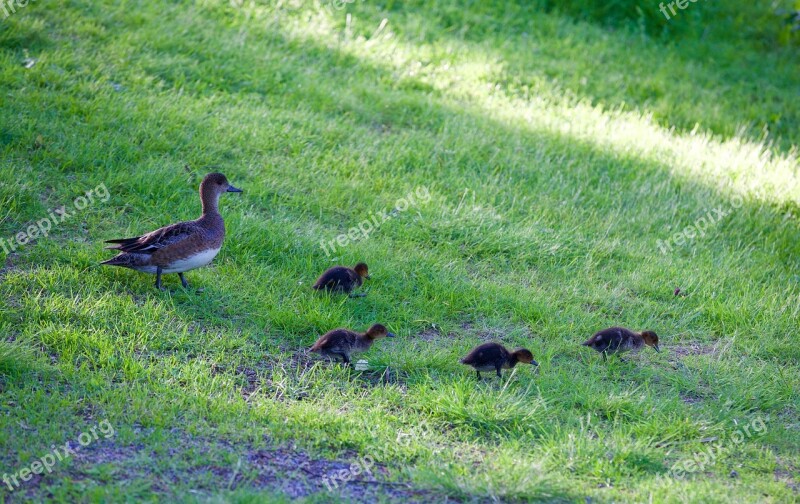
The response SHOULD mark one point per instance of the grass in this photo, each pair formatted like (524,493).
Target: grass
(558,151)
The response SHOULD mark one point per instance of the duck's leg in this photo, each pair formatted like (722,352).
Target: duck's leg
(183,281)
(497,367)
(158,278)
(605,359)
(479,374)
(345,358)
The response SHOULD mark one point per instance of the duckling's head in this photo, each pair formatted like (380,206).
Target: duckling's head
(378,331)
(362,270)
(524,355)
(651,339)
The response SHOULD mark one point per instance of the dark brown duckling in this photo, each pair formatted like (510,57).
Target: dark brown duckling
(342,279)
(343,342)
(494,357)
(618,340)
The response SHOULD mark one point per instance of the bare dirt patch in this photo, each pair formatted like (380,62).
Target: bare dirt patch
(430,334)
(691,398)
(8,265)
(692,348)
(788,474)
(207,466)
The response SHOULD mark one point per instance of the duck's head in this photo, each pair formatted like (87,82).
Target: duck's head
(216,183)
(524,355)
(211,187)
(362,270)
(651,339)
(378,331)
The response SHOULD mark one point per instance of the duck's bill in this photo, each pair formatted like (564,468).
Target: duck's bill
(233,189)
(390,335)
(534,363)
(657,349)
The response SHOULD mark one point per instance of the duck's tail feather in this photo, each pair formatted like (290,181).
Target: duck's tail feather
(116,261)
(123,243)
(126,260)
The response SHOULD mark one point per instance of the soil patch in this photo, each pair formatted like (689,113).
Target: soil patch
(696,348)
(285,470)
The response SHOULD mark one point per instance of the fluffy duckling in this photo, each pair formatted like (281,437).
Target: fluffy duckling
(179,247)
(618,340)
(342,279)
(494,357)
(343,342)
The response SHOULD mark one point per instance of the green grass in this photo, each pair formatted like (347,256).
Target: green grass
(558,146)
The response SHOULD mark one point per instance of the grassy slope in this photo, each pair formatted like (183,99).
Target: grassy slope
(547,204)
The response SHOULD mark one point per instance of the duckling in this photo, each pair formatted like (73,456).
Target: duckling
(179,247)
(343,342)
(618,340)
(494,357)
(342,279)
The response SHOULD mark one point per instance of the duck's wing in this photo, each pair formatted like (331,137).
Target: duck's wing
(607,339)
(155,240)
(323,280)
(332,278)
(485,353)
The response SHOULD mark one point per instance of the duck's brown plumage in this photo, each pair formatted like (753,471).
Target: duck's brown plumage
(494,357)
(343,342)
(342,279)
(178,247)
(618,340)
